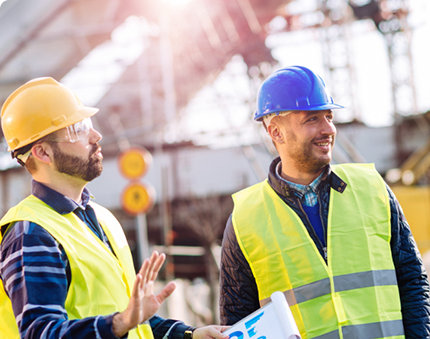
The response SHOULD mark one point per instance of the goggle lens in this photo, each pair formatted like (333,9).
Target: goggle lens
(76,132)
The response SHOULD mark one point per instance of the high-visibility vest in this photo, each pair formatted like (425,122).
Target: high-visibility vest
(354,294)
(101,282)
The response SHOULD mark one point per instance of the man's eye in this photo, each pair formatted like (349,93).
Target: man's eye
(81,130)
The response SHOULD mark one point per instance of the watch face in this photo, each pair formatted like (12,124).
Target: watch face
(188,335)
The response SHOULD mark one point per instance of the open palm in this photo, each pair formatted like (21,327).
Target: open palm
(143,302)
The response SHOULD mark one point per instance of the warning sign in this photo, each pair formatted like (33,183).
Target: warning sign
(137,198)
(134,162)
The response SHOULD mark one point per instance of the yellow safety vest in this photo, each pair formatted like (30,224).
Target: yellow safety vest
(101,282)
(354,295)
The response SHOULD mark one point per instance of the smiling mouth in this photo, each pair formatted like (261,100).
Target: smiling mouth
(324,145)
(323,142)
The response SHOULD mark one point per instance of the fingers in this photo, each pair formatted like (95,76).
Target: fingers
(144,272)
(166,292)
(147,263)
(221,328)
(145,269)
(137,286)
(149,272)
(210,332)
(152,266)
(157,266)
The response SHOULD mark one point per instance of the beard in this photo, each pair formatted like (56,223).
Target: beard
(304,156)
(85,169)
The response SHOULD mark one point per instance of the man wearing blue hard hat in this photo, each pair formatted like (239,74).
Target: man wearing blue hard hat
(333,238)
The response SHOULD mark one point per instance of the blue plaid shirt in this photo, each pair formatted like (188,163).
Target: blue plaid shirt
(36,275)
(306,193)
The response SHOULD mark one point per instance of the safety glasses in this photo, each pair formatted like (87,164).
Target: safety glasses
(72,133)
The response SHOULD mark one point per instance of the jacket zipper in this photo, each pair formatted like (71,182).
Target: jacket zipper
(314,235)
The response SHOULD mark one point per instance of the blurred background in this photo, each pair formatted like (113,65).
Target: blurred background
(180,77)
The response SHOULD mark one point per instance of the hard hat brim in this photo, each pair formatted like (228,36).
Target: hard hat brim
(259,117)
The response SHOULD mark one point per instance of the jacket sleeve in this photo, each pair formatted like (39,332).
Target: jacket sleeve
(168,328)
(238,290)
(411,275)
(35,279)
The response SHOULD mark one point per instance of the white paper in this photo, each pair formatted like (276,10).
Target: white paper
(285,316)
(272,321)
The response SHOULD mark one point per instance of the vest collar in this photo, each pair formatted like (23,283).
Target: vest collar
(287,192)
(60,203)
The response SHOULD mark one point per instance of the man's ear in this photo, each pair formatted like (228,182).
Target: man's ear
(42,152)
(275,133)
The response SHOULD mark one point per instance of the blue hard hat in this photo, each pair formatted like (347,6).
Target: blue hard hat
(294,88)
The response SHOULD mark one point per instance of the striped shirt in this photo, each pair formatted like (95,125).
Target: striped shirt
(36,275)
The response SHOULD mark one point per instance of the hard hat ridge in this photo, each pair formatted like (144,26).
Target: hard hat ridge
(294,88)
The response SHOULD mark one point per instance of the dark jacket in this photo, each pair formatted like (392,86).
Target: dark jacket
(238,290)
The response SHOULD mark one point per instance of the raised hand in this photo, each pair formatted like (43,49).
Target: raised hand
(143,303)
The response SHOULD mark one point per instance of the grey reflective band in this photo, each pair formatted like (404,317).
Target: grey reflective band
(330,335)
(364,279)
(374,330)
(307,292)
(344,282)
(384,329)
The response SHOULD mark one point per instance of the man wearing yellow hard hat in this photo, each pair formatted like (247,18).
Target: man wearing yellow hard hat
(65,267)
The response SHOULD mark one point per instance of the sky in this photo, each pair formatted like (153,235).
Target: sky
(229,102)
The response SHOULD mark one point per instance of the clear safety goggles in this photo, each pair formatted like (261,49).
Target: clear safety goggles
(72,133)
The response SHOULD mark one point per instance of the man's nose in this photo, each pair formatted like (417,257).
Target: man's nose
(328,128)
(95,136)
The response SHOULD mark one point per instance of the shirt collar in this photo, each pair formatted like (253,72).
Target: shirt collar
(301,189)
(283,189)
(59,202)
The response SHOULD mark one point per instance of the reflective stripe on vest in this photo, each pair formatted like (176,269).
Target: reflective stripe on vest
(375,330)
(341,283)
(102,281)
(356,292)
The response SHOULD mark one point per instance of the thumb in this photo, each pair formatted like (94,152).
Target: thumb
(166,292)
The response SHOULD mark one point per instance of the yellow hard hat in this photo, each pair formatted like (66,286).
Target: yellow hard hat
(38,108)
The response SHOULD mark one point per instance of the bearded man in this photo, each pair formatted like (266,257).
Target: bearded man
(65,267)
(333,239)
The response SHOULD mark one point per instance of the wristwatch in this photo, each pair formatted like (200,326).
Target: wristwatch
(188,334)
